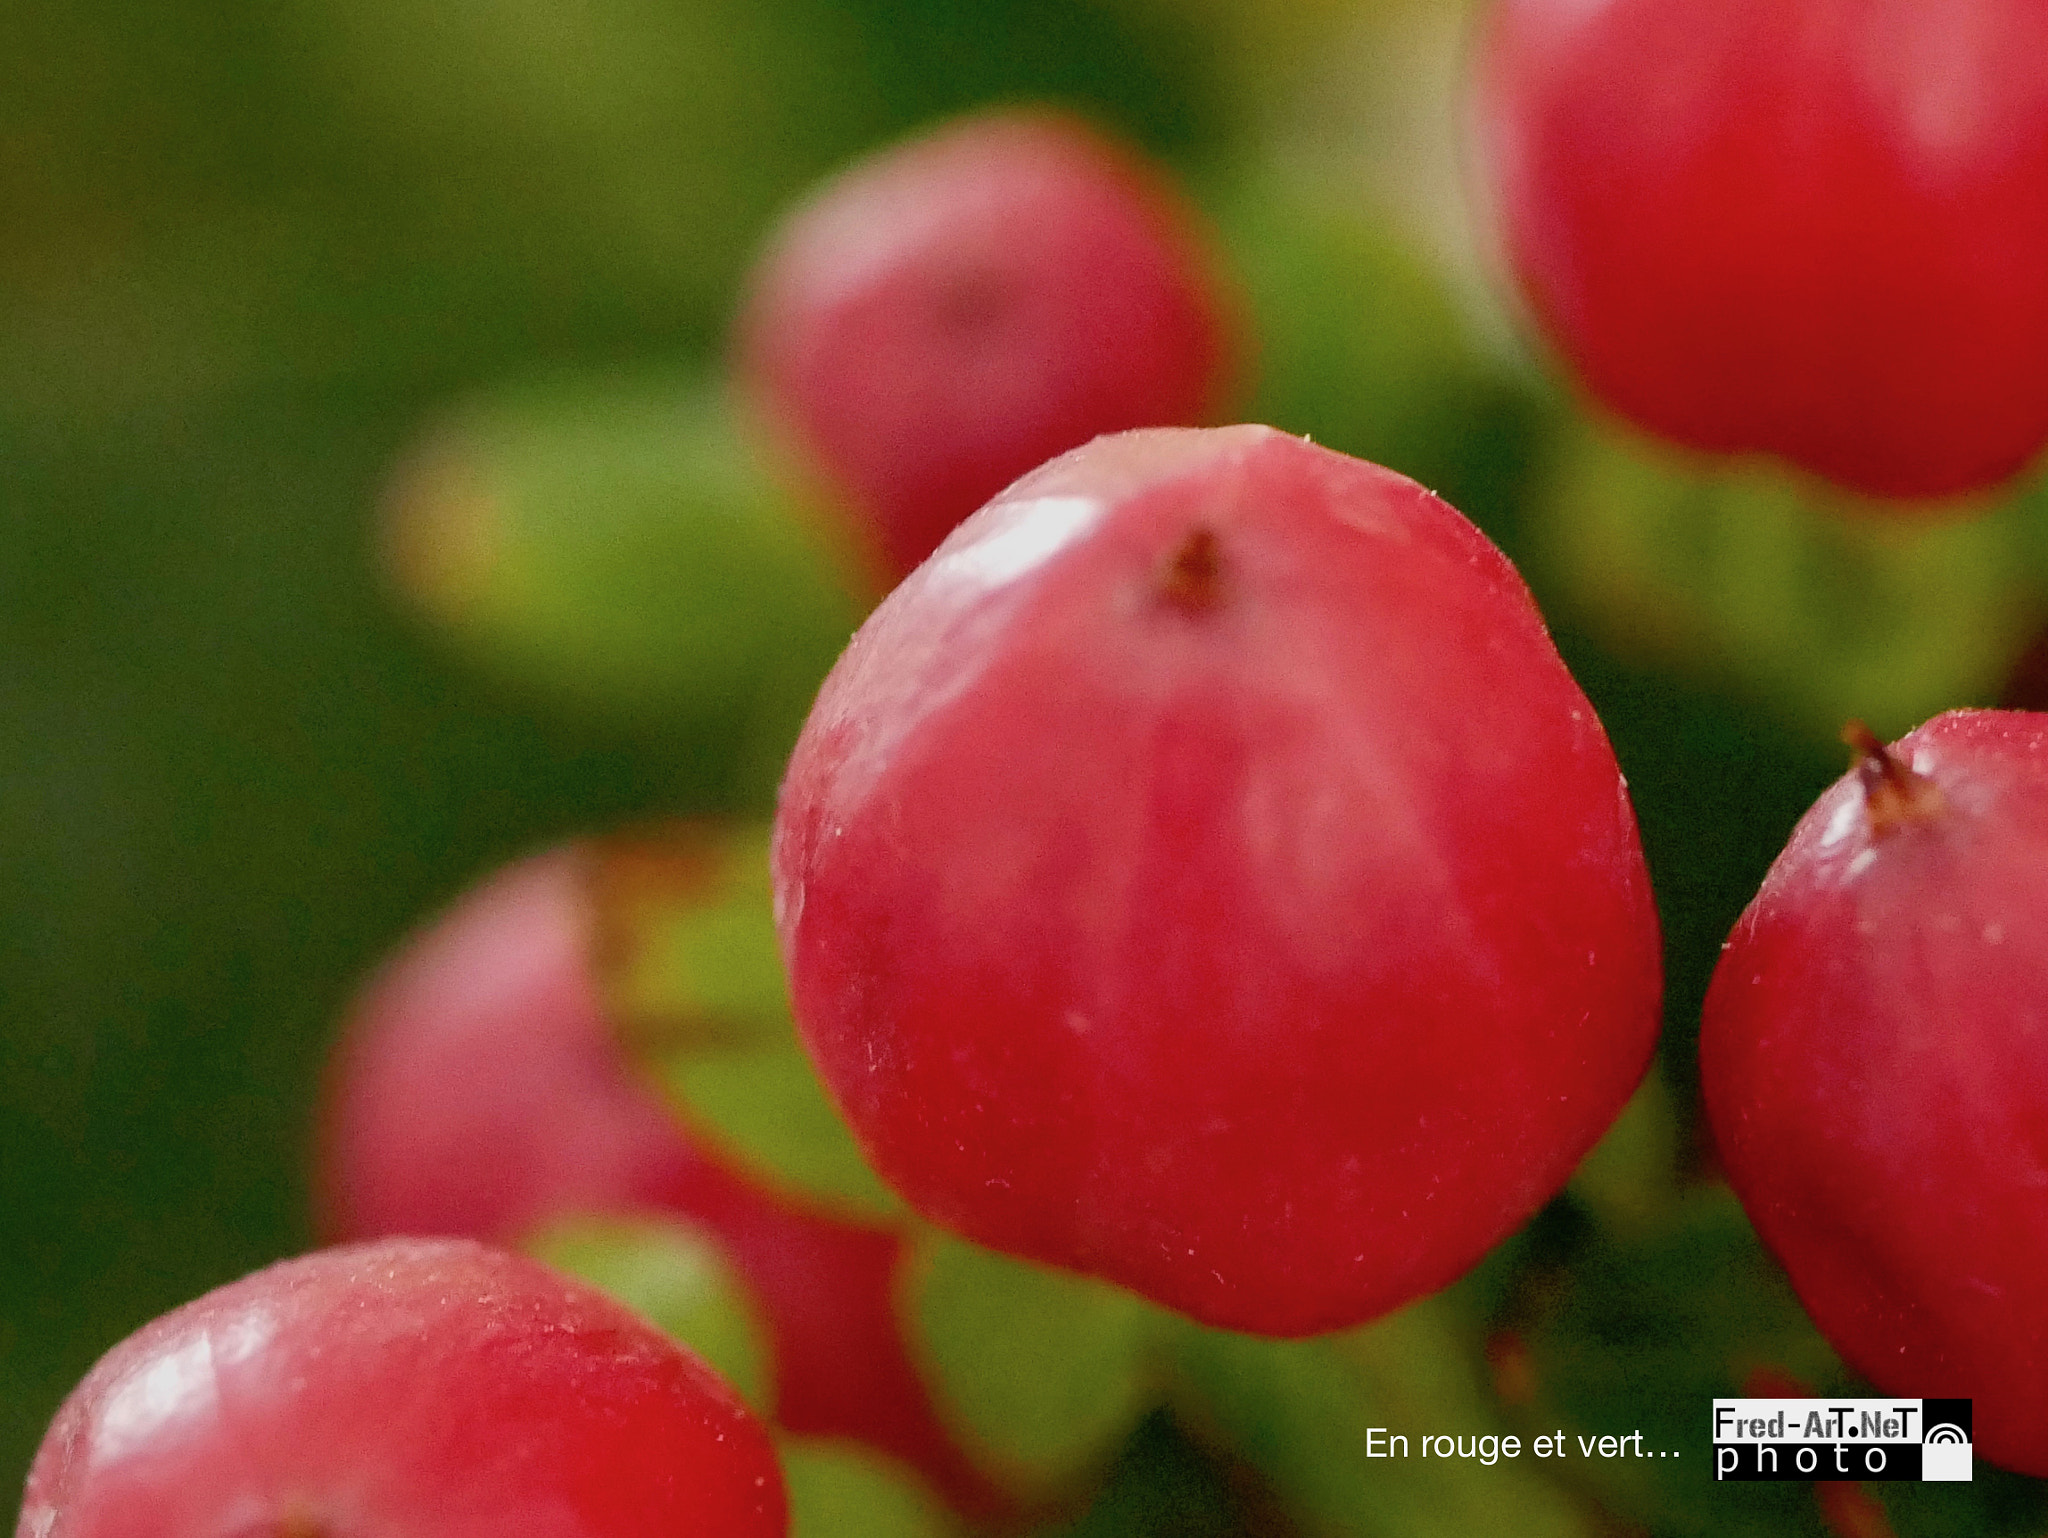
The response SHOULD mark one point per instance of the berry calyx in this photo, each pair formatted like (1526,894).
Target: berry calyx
(1203,873)
(955,310)
(411,1388)
(1873,1065)
(1892,793)
(1193,577)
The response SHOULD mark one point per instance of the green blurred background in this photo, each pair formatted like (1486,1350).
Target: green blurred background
(249,248)
(245,248)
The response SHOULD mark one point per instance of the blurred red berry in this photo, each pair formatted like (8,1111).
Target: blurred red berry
(1811,228)
(955,310)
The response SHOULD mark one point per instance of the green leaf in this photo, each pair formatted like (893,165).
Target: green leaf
(622,545)
(1316,1418)
(692,973)
(686,947)
(1363,348)
(770,1106)
(679,1281)
(1821,605)
(1044,1370)
(839,1490)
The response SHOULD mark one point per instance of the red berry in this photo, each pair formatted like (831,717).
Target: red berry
(413,1388)
(1204,873)
(955,310)
(1814,228)
(481,1092)
(1875,1062)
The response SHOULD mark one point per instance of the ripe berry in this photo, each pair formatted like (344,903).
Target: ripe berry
(1813,228)
(1204,873)
(481,1092)
(955,310)
(1875,1062)
(429,1387)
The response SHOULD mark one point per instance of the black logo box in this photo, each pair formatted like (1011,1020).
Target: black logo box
(1858,1460)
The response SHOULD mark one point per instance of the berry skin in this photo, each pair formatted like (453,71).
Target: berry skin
(1203,873)
(955,310)
(481,1092)
(1876,1070)
(406,1389)
(1811,228)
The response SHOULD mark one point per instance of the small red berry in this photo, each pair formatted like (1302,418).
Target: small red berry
(1811,228)
(1875,1062)
(479,1090)
(1204,873)
(955,310)
(411,1388)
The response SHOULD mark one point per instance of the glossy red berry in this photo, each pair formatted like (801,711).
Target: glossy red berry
(1812,228)
(481,1092)
(1204,873)
(1875,1061)
(409,1389)
(955,310)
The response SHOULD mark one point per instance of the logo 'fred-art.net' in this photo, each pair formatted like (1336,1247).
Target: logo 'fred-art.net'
(1924,1439)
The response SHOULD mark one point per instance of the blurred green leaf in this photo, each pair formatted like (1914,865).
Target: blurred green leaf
(686,949)
(1044,1370)
(1305,1413)
(622,544)
(1361,346)
(1816,604)
(838,1490)
(691,969)
(771,1107)
(676,1279)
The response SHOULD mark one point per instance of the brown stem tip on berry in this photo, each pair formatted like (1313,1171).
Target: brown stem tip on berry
(1892,793)
(1192,578)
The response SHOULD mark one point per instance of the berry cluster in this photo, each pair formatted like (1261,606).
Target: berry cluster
(1202,910)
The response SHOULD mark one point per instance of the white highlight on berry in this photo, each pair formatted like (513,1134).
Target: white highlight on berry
(1847,818)
(1031,534)
(183,1383)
